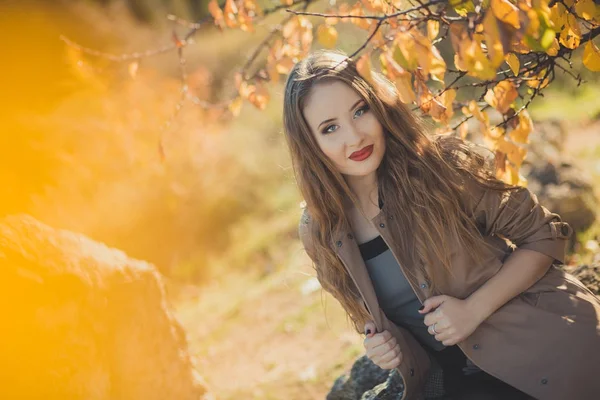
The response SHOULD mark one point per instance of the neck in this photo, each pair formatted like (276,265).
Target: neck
(365,189)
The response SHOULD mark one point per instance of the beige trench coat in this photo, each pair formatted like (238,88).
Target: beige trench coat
(545,341)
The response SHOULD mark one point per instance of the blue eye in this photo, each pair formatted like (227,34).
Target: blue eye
(328,129)
(361,110)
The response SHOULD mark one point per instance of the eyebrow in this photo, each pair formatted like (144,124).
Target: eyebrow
(333,119)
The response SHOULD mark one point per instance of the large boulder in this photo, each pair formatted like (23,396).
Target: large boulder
(84,321)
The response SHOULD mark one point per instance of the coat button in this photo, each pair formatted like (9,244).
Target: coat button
(544,381)
(391,217)
(382,225)
(423,286)
(339,243)
(350,236)
(476,346)
(412,372)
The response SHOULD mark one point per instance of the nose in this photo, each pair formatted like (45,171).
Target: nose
(354,137)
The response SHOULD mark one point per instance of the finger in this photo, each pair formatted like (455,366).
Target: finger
(390,355)
(449,342)
(370,328)
(384,348)
(431,319)
(441,337)
(379,338)
(393,363)
(432,303)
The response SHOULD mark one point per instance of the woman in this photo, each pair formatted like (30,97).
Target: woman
(431,256)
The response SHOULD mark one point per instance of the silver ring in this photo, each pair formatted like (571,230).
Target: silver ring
(433,328)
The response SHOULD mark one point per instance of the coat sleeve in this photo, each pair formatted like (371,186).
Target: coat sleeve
(303,234)
(518,216)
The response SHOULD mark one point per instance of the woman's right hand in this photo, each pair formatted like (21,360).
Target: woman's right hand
(382,348)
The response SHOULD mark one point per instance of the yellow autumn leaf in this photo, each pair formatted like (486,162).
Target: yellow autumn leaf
(357,10)
(502,96)
(447,100)
(462,7)
(230,11)
(513,62)
(570,36)
(259,97)
(437,65)
(476,61)
(558,16)
(521,133)
(586,9)
(536,82)
(424,96)
(285,65)
(481,116)
(514,153)
(404,52)
(553,49)
(403,84)
(463,130)
(437,110)
(492,40)
(327,36)
(217,13)
(423,51)
(235,106)
(591,57)
(506,12)
(376,6)
(363,66)
(433,28)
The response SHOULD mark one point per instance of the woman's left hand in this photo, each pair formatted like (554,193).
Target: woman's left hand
(454,319)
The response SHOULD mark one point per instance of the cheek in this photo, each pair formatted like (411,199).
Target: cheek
(333,149)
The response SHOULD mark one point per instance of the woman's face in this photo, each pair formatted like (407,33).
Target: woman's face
(345,128)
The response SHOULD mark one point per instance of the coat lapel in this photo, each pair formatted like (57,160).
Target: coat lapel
(349,253)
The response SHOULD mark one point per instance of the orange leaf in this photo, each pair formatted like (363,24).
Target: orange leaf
(492,40)
(506,12)
(437,65)
(553,49)
(403,83)
(513,62)
(570,36)
(463,130)
(235,106)
(521,133)
(502,96)
(284,66)
(357,10)
(586,9)
(591,57)
(327,36)
(230,10)
(433,28)
(260,97)
(363,66)
(217,14)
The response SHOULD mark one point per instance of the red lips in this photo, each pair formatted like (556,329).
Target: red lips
(362,154)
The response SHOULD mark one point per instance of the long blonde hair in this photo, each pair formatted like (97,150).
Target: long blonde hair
(419,178)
